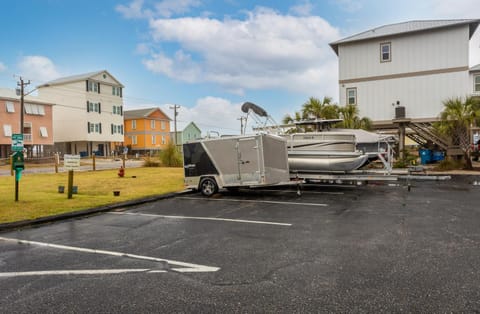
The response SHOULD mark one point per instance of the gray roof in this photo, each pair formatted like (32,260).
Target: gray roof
(10,94)
(76,78)
(475,68)
(142,113)
(404,28)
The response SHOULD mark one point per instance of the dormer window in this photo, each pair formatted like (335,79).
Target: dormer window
(385,52)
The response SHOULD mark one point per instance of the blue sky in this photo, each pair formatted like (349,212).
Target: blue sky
(208,56)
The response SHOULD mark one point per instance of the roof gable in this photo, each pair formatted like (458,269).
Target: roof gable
(102,75)
(146,113)
(405,28)
(192,125)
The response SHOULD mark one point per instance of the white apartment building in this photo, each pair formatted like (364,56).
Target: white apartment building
(416,64)
(88,115)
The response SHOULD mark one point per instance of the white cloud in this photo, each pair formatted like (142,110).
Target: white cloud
(209,114)
(303,9)
(3,67)
(180,66)
(460,9)
(167,8)
(134,10)
(38,68)
(266,50)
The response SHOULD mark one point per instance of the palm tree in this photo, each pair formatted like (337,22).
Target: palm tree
(351,120)
(316,108)
(456,119)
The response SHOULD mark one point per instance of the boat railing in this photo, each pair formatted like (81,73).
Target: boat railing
(386,156)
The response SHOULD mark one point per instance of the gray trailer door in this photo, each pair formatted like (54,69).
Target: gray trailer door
(249,160)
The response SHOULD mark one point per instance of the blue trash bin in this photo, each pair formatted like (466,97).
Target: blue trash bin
(438,156)
(425,156)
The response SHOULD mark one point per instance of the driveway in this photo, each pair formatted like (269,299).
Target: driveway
(373,248)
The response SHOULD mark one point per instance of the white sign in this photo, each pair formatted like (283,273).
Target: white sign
(71,162)
(17,142)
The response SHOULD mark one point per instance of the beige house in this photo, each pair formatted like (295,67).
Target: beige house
(415,64)
(88,116)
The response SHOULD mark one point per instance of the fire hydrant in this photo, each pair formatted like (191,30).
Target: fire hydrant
(121,172)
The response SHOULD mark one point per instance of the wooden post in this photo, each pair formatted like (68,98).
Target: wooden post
(93,162)
(57,161)
(11,165)
(70,183)
(123,160)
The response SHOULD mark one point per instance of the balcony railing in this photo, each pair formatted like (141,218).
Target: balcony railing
(27,137)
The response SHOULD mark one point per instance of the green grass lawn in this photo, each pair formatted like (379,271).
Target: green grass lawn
(39,196)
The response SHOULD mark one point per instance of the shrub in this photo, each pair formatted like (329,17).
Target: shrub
(449,164)
(151,162)
(170,157)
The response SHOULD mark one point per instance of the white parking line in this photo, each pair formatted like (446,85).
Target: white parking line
(206,218)
(189,267)
(306,191)
(78,272)
(251,201)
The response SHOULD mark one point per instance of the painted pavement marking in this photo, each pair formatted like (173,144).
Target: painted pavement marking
(78,272)
(252,201)
(205,218)
(186,267)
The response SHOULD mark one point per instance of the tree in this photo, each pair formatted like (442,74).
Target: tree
(455,121)
(170,156)
(315,108)
(351,120)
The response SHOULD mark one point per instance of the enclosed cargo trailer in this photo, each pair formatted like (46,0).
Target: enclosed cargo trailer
(237,161)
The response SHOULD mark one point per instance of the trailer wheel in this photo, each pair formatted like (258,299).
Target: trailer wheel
(208,187)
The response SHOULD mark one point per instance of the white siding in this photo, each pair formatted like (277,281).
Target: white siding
(423,51)
(70,116)
(422,96)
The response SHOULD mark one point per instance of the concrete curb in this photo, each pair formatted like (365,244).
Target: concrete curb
(44,220)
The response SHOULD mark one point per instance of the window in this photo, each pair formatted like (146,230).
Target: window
(154,139)
(385,52)
(163,140)
(117,129)
(94,128)
(94,107)
(9,107)
(352,96)
(162,125)
(116,91)
(134,124)
(43,131)
(134,140)
(34,109)
(117,110)
(7,130)
(152,124)
(477,83)
(93,87)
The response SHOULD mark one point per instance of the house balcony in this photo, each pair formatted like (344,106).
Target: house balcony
(27,138)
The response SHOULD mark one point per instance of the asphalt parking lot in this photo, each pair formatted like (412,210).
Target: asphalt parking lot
(371,248)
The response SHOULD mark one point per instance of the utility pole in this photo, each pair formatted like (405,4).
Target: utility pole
(17,160)
(22,85)
(241,124)
(175,113)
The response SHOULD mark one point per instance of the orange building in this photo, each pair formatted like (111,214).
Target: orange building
(37,124)
(146,130)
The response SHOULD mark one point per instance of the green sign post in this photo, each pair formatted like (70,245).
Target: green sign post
(18,163)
